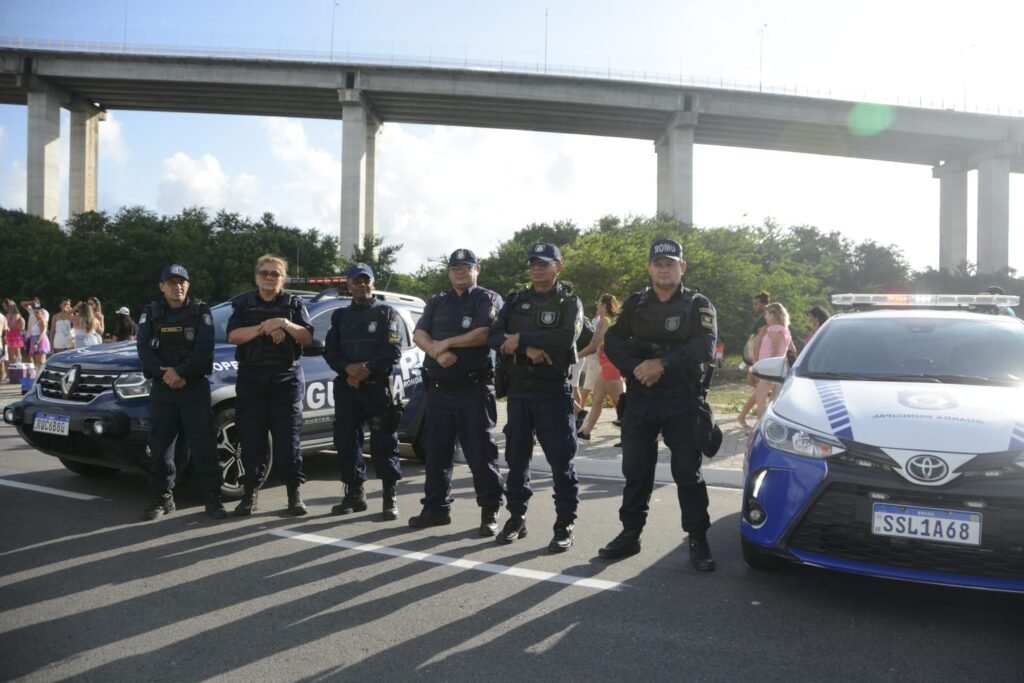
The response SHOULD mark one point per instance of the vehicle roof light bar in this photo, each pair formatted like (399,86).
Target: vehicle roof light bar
(930,300)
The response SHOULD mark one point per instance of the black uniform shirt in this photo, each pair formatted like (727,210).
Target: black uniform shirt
(196,362)
(449,315)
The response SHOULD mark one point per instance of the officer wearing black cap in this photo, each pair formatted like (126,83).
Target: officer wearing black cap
(535,333)
(661,341)
(175,345)
(363,346)
(459,377)
(270,328)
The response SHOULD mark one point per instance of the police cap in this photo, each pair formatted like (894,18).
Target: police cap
(173,270)
(462,256)
(666,248)
(357,269)
(544,250)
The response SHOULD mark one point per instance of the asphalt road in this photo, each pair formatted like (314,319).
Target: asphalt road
(90,593)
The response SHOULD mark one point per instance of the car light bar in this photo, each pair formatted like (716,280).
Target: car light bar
(934,300)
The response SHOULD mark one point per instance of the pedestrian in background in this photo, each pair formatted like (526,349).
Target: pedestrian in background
(15,331)
(535,333)
(38,332)
(459,378)
(363,345)
(661,343)
(609,381)
(817,316)
(124,328)
(270,328)
(3,349)
(750,350)
(87,330)
(775,342)
(175,346)
(61,325)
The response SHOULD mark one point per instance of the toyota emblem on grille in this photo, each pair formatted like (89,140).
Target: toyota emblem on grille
(67,382)
(927,468)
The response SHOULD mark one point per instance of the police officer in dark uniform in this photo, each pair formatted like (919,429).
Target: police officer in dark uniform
(363,346)
(270,328)
(459,377)
(535,333)
(660,342)
(175,345)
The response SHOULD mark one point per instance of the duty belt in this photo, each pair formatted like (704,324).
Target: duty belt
(485,376)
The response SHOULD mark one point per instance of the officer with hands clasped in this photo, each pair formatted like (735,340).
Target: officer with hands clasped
(363,346)
(663,336)
(535,333)
(460,400)
(175,345)
(270,328)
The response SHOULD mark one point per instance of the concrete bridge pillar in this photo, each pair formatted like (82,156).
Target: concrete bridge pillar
(952,214)
(43,156)
(358,172)
(993,213)
(82,179)
(675,167)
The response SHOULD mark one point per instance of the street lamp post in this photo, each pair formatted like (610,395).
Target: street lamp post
(760,70)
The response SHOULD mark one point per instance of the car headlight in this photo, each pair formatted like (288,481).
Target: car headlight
(132,385)
(790,438)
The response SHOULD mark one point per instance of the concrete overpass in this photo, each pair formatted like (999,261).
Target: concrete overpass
(363,96)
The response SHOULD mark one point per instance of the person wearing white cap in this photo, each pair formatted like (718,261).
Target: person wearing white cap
(124,328)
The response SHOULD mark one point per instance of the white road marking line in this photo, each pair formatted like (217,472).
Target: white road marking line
(47,489)
(534,574)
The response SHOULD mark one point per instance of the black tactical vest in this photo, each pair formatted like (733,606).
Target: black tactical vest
(362,330)
(525,315)
(262,352)
(172,341)
(452,317)
(660,327)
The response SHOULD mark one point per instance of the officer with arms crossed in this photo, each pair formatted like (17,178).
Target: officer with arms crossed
(536,332)
(270,328)
(363,346)
(663,336)
(459,377)
(175,345)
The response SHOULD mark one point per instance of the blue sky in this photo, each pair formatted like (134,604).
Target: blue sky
(439,186)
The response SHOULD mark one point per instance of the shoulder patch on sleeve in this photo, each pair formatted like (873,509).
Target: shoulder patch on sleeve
(142,318)
(707,318)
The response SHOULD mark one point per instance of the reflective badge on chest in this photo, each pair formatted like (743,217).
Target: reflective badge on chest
(547,317)
(372,327)
(190,333)
(525,306)
(672,324)
(466,322)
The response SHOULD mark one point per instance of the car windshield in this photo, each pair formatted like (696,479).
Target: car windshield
(953,350)
(221,313)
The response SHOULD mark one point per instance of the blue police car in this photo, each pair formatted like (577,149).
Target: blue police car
(89,406)
(895,447)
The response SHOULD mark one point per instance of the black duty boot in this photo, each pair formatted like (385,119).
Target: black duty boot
(214,506)
(247,505)
(353,501)
(700,555)
(563,537)
(488,521)
(295,505)
(514,529)
(161,504)
(431,517)
(625,544)
(389,510)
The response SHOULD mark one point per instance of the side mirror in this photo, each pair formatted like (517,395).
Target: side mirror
(313,348)
(771,369)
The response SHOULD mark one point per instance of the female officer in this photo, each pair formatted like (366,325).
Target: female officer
(270,328)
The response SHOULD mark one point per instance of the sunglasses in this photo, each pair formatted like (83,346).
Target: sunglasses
(269,273)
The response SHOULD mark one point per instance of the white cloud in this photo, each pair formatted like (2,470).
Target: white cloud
(12,176)
(113,147)
(186,182)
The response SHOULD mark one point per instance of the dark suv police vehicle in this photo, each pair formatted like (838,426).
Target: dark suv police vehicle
(89,407)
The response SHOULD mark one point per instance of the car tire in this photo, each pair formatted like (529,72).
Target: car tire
(229,453)
(757,558)
(87,470)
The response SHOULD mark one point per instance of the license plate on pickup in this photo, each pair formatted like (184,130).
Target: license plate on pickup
(48,423)
(926,524)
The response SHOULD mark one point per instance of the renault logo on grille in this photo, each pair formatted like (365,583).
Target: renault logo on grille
(67,382)
(927,468)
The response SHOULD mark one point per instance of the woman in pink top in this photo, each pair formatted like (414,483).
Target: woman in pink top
(775,342)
